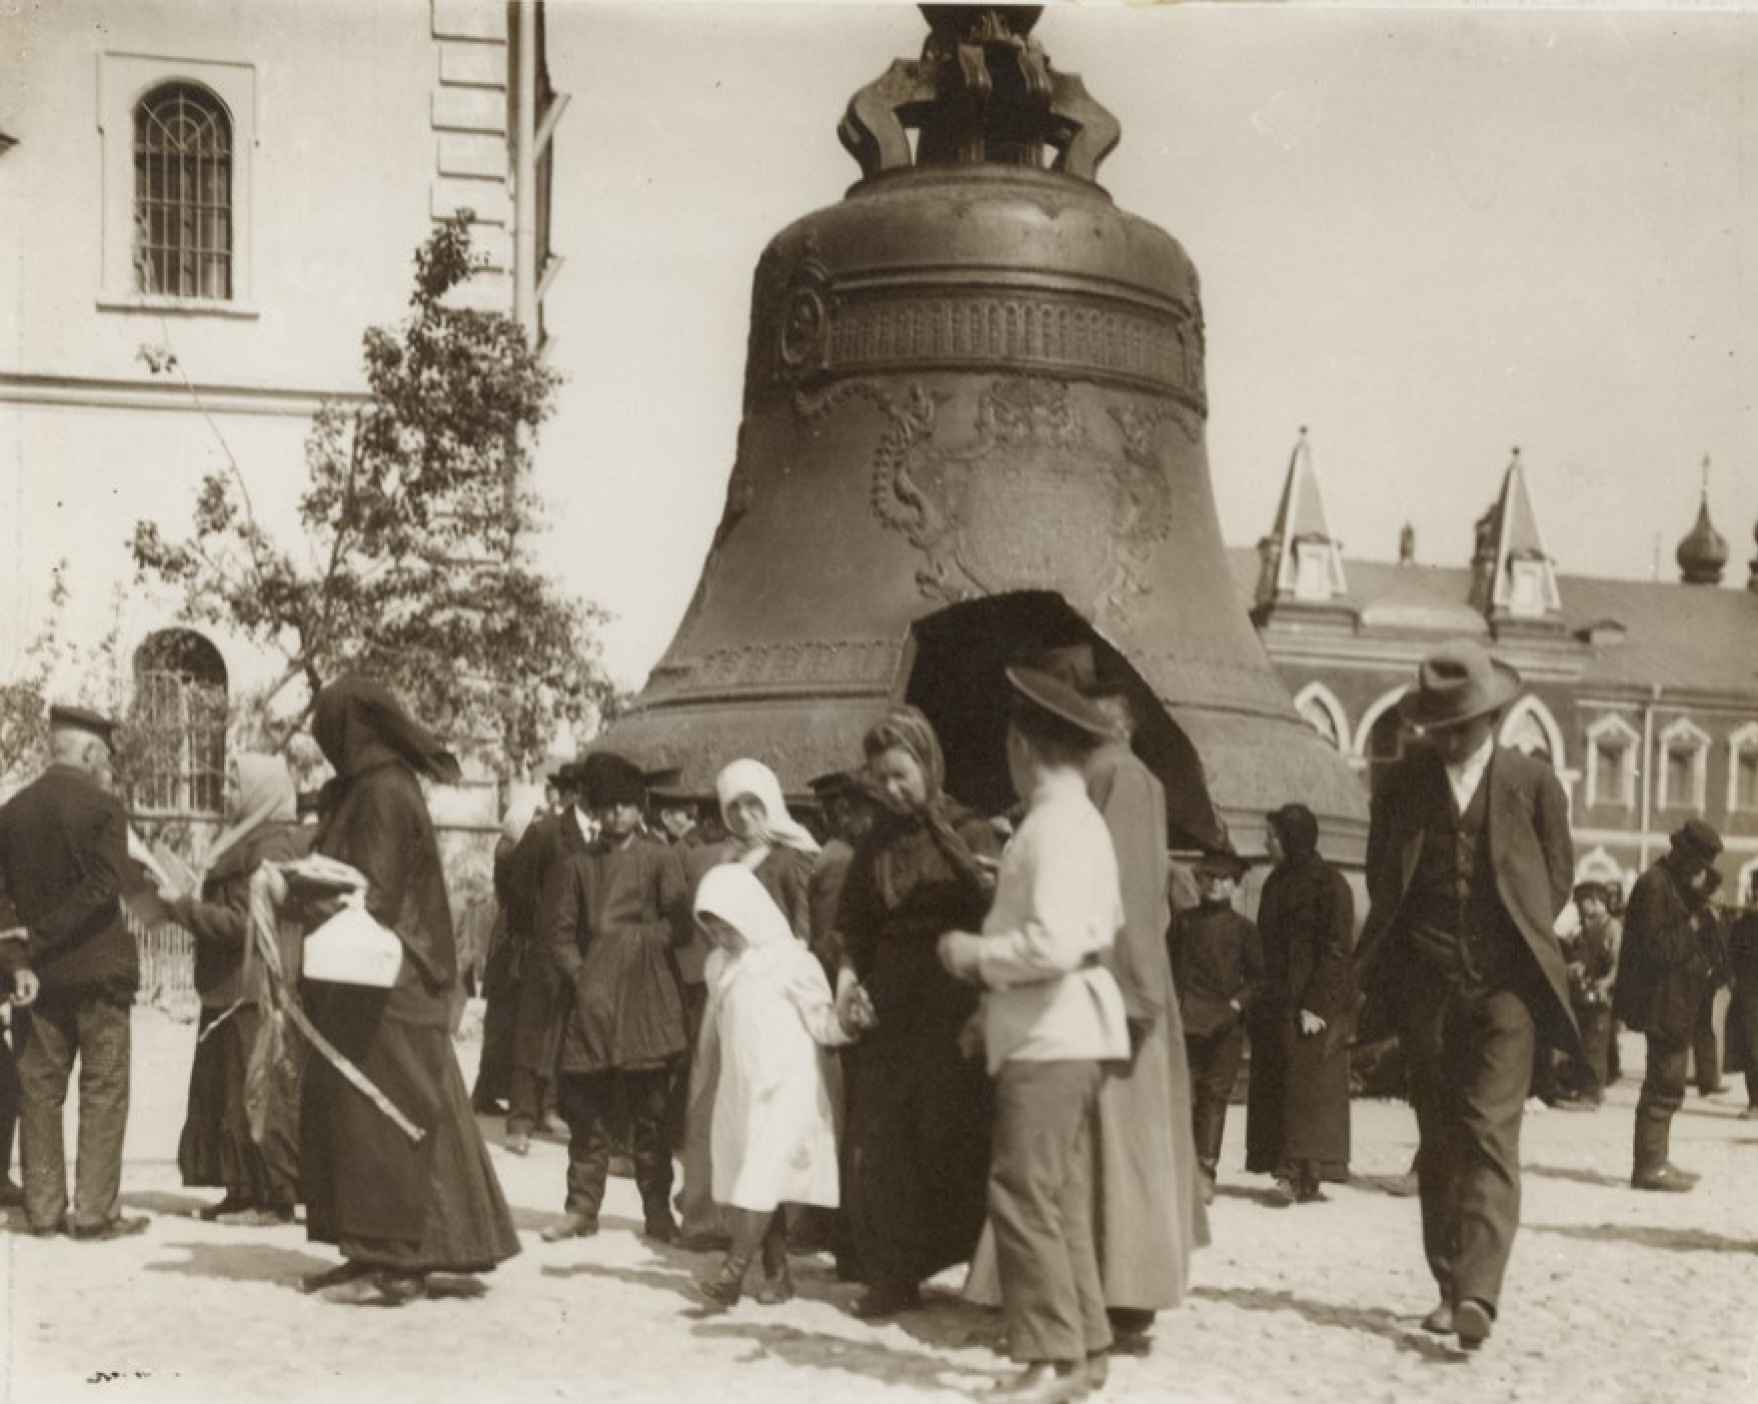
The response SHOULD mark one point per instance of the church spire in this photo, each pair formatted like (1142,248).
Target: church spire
(1514,579)
(1302,562)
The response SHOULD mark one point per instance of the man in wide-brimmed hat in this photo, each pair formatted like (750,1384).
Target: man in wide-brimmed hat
(1671,951)
(1149,1182)
(1052,1017)
(1469,862)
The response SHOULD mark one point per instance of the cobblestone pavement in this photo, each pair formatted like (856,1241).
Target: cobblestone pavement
(1614,1297)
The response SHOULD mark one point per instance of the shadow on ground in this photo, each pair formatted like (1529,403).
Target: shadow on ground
(870,1359)
(1375,1321)
(1579,1177)
(242,1262)
(1678,1240)
(1267,1198)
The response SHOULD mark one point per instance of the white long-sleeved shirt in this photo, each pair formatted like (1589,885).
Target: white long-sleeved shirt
(1057,903)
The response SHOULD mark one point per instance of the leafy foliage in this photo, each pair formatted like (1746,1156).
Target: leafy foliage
(414,516)
(53,669)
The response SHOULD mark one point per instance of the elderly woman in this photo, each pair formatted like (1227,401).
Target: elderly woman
(767,839)
(918,1111)
(397,1208)
(261,1180)
(1297,1114)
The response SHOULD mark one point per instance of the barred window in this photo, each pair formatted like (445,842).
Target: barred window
(183,193)
(178,724)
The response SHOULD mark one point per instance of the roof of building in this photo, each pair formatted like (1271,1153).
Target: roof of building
(1702,638)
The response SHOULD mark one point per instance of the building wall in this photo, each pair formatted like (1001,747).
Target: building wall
(354,125)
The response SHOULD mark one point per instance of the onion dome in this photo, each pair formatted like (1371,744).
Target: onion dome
(1703,554)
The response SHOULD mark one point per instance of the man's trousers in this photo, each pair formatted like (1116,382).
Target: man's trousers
(1041,1210)
(91,1027)
(1470,1054)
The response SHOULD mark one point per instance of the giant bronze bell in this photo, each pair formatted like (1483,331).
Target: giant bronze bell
(973,426)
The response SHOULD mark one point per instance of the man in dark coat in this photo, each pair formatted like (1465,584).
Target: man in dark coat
(1742,1010)
(549,844)
(1297,1117)
(1469,862)
(1671,947)
(63,859)
(1218,968)
(621,913)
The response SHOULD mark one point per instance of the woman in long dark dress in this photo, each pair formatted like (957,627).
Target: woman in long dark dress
(261,1180)
(916,1160)
(1297,1111)
(397,1209)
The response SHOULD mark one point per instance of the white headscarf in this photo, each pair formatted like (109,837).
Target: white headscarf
(731,892)
(749,777)
(265,795)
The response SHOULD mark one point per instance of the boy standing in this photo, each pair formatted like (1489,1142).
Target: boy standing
(1051,1017)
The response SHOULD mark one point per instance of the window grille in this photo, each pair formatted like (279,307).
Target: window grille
(178,725)
(183,193)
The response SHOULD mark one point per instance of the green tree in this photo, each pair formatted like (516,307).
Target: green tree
(414,519)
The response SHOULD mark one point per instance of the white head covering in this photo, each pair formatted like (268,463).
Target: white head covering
(265,795)
(749,777)
(731,892)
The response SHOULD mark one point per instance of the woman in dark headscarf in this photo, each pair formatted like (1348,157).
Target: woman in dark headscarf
(917,1140)
(1297,1116)
(216,1148)
(397,1209)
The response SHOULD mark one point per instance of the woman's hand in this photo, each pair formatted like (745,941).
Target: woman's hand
(169,892)
(1310,1023)
(854,1006)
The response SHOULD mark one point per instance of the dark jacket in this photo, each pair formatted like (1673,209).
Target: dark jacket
(1665,965)
(1217,958)
(1532,854)
(537,861)
(619,917)
(63,862)
(1306,918)
(220,918)
(376,820)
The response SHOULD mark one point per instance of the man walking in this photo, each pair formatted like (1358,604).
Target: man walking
(1670,950)
(63,857)
(1469,861)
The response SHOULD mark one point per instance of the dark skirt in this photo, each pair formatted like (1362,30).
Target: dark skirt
(383,1200)
(216,1146)
(1297,1105)
(916,1158)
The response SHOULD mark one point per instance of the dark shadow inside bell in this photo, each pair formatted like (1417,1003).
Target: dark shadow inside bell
(956,678)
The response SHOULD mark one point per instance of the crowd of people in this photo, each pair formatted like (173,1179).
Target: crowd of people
(906,1034)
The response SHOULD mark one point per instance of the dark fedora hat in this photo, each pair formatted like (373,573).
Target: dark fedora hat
(1457,683)
(1698,840)
(65,718)
(607,779)
(1040,692)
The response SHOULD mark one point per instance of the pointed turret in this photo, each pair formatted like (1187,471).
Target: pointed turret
(1302,561)
(1514,579)
(1703,554)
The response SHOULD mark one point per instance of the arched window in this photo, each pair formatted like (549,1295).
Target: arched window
(1319,708)
(1529,727)
(183,193)
(1684,766)
(179,724)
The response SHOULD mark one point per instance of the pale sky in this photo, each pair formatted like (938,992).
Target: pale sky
(1429,235)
